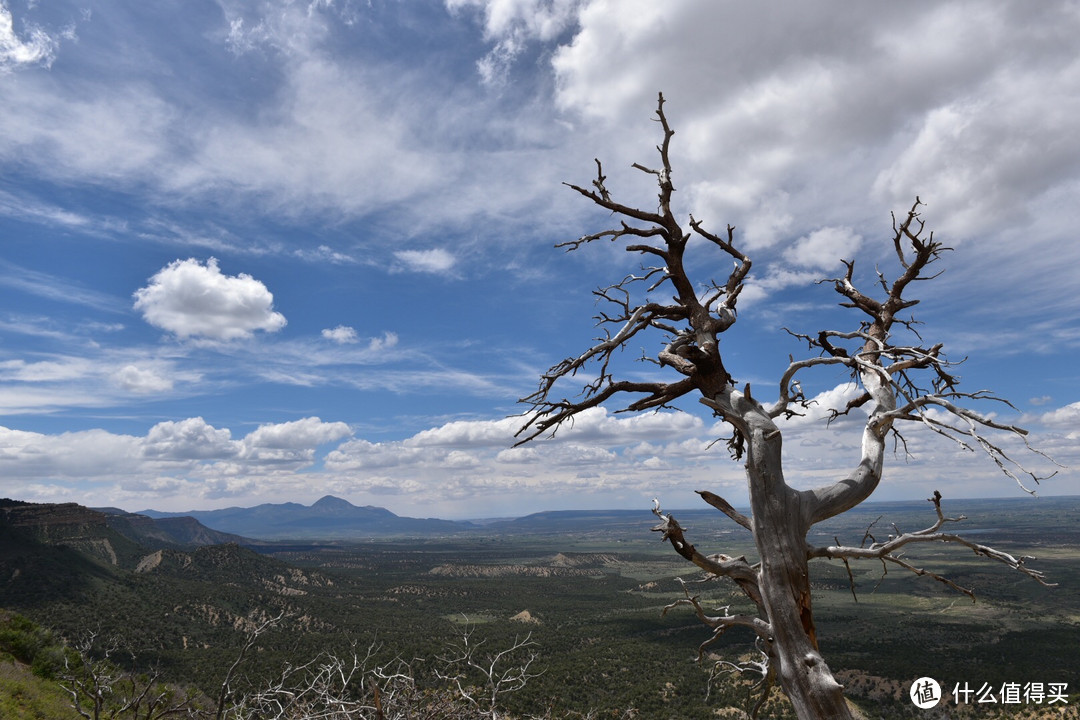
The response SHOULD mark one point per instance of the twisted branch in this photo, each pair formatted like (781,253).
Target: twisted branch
(887,550)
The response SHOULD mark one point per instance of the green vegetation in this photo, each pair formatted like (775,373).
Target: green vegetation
(592,600)
(30,659)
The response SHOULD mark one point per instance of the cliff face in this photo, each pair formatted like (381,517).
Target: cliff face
(158,533)
(102,532)
(67,524)
(53,521)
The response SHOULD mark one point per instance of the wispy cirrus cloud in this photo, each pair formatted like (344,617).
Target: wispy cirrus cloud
(436,261)
(56,288)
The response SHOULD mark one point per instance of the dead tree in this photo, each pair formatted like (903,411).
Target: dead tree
(481,679)
(102,690)
(468,683)
(902,380)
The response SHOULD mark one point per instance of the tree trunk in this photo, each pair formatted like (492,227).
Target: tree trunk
(781,521)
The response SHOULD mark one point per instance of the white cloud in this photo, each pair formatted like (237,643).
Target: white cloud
(340,139)
(114,134)
(89,455)
(342,334)
(820,405)
(185,455)
(468,433)
(324,253)
(1063,417)
(378,344)
(190,299)
(290,444)
(54,288)
(540,19)
(436,261)
(141,380)
(794,101)
(824,249)
(512,24)
(37,48)
(468,468)
(306,433)
(69,368)
(191,439)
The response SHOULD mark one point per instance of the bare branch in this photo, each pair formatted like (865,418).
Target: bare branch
(691,346)
(249,643)
(762,667)
(738,569)
(499,672)
(725,507)
(901,381)
(887,550)
(719,623)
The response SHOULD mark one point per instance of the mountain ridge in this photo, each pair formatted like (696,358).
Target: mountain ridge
(329,518)
(104,528)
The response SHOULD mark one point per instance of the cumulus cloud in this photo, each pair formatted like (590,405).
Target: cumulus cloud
(793,101)
(1063,417)
(341,334)
(185,455)
(190,439)
(193,300)
(448,468)
(292,443)
(601,453)
(468,433)
(90,455)
(305,433)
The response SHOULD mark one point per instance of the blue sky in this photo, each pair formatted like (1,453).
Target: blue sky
(271,250)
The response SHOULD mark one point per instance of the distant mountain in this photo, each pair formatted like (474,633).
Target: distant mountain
(330,518)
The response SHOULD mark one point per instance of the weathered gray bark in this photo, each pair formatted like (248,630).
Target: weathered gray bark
(894,390)
(781,519)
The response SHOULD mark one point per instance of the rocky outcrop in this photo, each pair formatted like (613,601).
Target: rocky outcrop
(542,571)
(583,560)
(561,565)
(54,521)
(149,562)
(67,524)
